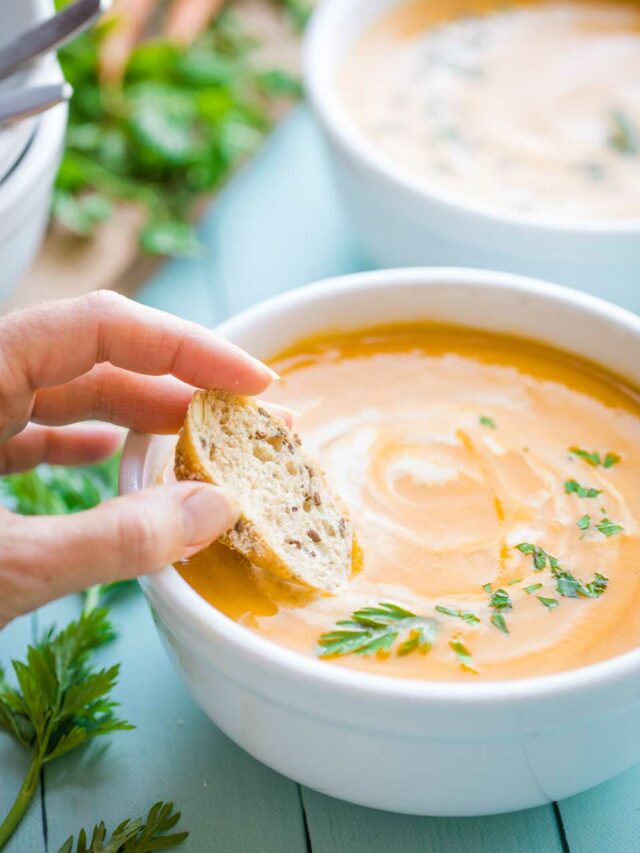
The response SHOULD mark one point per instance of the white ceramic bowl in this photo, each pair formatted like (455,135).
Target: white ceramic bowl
(25,191)
(401,223)
(421,747)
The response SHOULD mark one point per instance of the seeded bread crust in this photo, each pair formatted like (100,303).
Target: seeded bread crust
(291,524)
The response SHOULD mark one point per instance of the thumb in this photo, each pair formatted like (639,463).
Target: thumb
(46,557)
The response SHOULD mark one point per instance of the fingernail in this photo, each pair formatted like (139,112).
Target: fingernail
(268,370)
(207,512)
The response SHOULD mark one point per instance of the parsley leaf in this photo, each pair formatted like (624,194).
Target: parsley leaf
(573,487)
(584,523)
(623,135)
(549,603)
(533,588)
(594,459)
(132,835)
(539,555)
(463,654)
(597,586)
(60,703)
(500,600)
(486,421)
(500,622)
(608,528)
(376,629)
(466,615)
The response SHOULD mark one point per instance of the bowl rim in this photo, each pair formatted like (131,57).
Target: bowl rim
(320,83)
(193,610)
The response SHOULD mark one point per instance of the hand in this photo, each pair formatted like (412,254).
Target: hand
(102,356)
(185,20)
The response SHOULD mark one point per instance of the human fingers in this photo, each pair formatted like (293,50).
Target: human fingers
(46,557)
(144,403)
(65,446)
(53,343)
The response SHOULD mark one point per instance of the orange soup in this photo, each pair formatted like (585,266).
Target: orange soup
(493,485)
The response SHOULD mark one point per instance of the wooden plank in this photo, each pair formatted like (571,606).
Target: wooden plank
(14,640)
(336,826)
(228,800)
(606,817)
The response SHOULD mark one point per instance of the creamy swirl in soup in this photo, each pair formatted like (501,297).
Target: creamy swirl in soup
(533,107)
(493,485)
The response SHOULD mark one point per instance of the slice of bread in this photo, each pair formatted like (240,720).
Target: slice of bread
(291,525)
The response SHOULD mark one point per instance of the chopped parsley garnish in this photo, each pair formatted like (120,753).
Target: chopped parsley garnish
(469,618)
(549,603)
(500,622)
(594,458)
(539,555)
(486,421)
(487,588)
(623,135)
(533,588)
(514,581)
(569,586)
(597,586)
(573,487)
(584,523)
(608,528)
(376,629)
(500,600)
(463,654)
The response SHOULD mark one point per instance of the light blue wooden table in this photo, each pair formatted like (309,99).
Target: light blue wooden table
(275,227)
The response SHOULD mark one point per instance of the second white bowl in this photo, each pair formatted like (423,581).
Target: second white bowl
(403,224)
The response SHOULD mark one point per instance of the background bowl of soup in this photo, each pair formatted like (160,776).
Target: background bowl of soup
(486,135)
(468,745)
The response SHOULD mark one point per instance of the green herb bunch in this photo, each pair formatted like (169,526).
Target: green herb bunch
(60,702)
(172,132)
(48,490)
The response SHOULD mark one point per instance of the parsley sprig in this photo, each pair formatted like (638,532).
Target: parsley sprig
(133,835)
(60,703)
(375,629)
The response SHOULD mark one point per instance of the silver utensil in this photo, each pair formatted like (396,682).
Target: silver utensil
(50,34)
(21,103)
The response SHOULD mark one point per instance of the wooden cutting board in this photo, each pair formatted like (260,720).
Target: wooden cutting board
(68,265)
